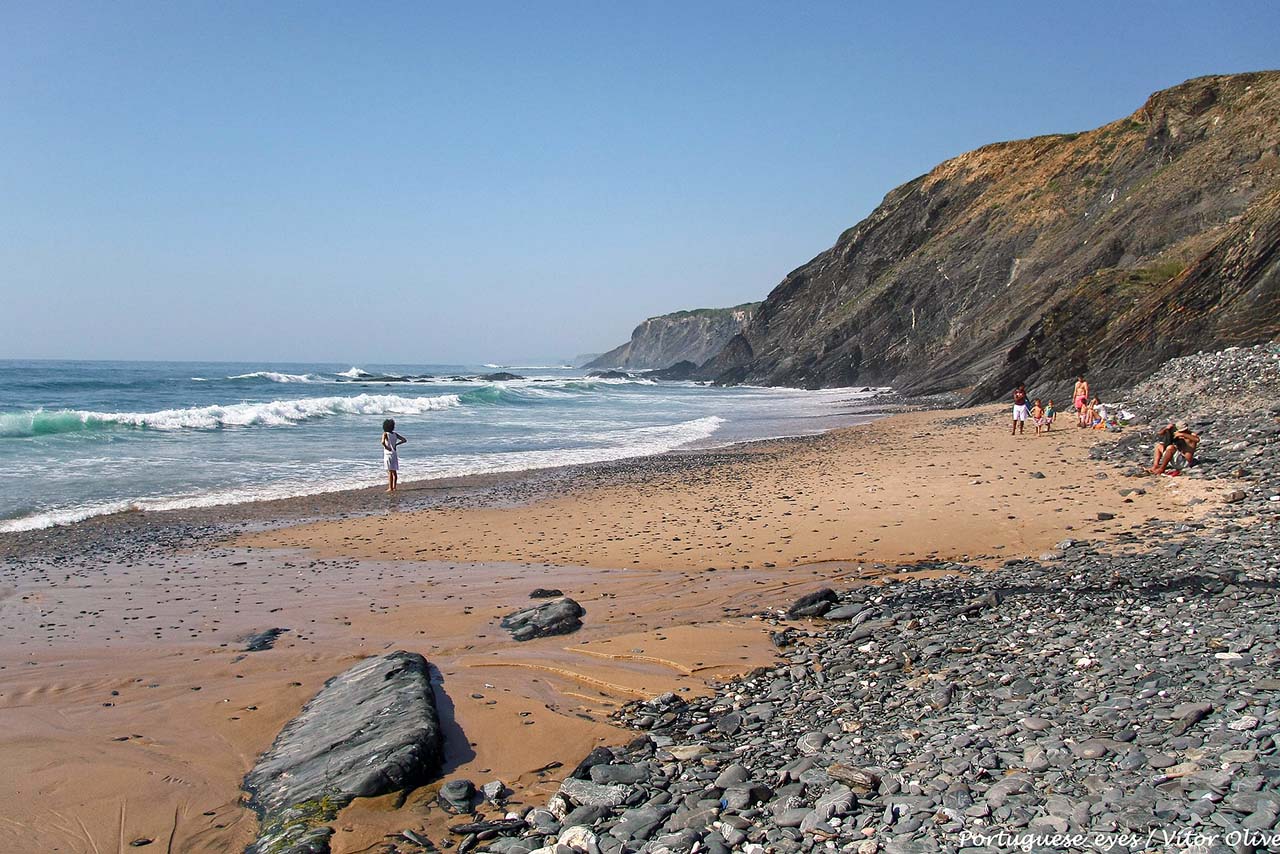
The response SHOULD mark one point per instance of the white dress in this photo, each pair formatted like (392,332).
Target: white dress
(391,458)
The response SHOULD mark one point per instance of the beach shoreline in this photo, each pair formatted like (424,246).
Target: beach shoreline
(209,523)
(145,438)
(122,649)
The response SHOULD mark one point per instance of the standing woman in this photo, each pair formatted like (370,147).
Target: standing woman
(391,440)
(1081,399)
(1019,409)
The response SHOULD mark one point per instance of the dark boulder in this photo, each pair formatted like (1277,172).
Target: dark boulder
(369,731)
(846,612)
(545,593)
(610,375)
(597,756)
(458,796)
(554,617)
(500,376)
(814,604)
(259,641)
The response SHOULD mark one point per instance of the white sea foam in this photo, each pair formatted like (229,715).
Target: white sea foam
(272,414)
(529,430)
(619,380)
(354,373)
(277,412)
(55,518)
(277,377)
(615,445)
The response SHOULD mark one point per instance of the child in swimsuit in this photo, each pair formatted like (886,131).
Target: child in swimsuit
(1048,417)
(391,442)
(1037,415)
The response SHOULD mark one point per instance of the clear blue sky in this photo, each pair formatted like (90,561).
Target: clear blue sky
(387,182)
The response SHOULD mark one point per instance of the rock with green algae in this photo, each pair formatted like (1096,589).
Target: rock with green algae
(369,731)
(299,829)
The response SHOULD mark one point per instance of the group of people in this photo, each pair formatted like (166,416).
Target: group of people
(1174,440)
(1089,410)
(1042,416)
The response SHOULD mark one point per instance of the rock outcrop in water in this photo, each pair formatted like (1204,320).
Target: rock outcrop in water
(369,731)
(1104,252)
(684,370)
(693,336)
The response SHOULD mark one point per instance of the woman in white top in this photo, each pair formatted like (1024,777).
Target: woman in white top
(391,440)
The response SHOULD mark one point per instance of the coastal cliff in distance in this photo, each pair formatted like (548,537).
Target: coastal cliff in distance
(682,336)
(1104,252)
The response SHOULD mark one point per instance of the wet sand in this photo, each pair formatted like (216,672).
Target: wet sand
(128,709)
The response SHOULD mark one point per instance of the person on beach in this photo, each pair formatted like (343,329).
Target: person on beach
(1081,398)
(1037,416)
(1019,410)
(391,440)
(1094,413)
(1049,412)
(1174,438)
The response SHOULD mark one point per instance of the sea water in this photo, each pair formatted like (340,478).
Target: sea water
(80,439)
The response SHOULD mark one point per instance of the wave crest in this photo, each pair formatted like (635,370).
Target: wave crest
(615,445)
(277,377)
(275,413)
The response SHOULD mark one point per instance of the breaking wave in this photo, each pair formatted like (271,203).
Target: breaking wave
(615,445)
(40,422)
(277,377)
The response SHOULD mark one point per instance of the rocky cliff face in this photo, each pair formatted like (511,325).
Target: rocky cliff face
(1102,252)
(693,336)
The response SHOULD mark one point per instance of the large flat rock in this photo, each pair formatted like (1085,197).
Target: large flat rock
(369,731)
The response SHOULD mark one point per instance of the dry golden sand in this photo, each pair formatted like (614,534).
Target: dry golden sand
(905,488)
(128,711)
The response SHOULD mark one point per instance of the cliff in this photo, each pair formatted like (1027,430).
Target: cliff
(694,336)
(1103,252)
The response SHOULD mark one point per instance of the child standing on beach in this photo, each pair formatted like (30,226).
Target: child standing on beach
(1037,416)
(391,440)
(1049,412)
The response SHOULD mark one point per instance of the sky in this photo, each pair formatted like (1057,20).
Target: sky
(383,182)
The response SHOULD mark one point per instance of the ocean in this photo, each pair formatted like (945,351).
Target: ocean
(81,439)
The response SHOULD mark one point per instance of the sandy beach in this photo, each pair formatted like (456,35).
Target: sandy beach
(913,487)
(130,710)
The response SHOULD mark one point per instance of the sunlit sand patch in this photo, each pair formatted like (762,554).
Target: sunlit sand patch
(567,674)
(647,659)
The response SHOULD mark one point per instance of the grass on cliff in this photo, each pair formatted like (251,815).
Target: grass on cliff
(1156,274)
(711,312)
